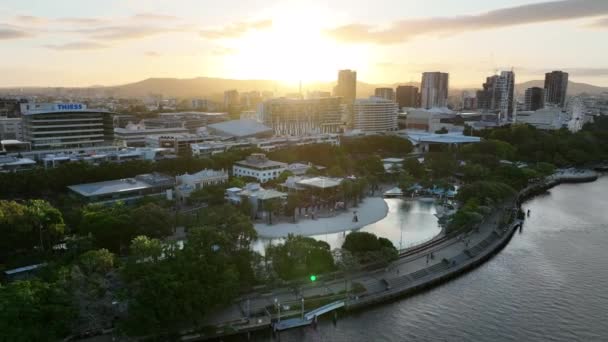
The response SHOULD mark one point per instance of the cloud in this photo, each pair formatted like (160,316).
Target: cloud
(113,33)
(30,19)
(600,23)
(84,45)
(236,29)
(7,33)
(152,54)
(404,30)
(80,21)
(154,16)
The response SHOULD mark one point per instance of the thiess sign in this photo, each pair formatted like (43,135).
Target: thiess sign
(70,106)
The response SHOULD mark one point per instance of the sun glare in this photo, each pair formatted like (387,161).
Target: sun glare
(293,49)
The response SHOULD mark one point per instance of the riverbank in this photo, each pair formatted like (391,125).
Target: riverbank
(370,210)
(471,257)
(410,274)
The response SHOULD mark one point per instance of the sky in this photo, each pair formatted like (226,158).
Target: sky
(110,42)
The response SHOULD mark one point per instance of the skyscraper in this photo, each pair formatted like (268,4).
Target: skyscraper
(347,86)
(506,87)
(385,93)
(534,98)
(407,96)
(231,99)
(556,87)
(497,95)
(434,89)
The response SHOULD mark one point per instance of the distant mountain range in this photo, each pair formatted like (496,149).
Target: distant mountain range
(213,88)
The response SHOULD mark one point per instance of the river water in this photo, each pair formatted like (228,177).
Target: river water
(550,283)
(407,223)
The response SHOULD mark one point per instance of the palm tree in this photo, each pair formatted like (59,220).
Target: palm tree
(346,188)
(271,206)
(293,202)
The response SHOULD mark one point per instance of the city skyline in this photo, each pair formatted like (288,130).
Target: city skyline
(115,42)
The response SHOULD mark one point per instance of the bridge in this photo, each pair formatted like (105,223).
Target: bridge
(308,317)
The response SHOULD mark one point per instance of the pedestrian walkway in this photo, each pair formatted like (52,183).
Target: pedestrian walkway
(405,272)
(371,210)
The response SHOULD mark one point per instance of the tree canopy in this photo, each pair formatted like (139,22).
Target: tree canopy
(298,257)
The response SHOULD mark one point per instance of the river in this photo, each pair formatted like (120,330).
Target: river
(550,283)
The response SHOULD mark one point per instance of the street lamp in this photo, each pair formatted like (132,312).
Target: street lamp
(302,308)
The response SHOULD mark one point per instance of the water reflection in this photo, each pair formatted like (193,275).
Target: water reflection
(408,222)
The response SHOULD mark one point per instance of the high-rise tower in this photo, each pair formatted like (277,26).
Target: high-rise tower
(434,90)
(556,87)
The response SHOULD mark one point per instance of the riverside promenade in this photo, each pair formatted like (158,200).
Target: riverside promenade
(412,272)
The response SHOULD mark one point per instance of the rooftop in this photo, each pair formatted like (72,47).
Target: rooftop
(259,160)
(417,137)
(109,187)
(144,181)
(321,182)
(203,174)
(241,128)
(13,161)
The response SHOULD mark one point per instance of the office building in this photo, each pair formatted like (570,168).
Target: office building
(161,123)
(385,93)
(11,128)
(534,99)
(11,108)
(556,88)
(122,120)
(66,125)
(250,100)
(347,86)
(432,120)
(232,100)
(497,95)
(407,96)
(302,117)
(177,143)
(134,135)
(375,115)
(193,121)
(259,167)
(434,90)
(469,103)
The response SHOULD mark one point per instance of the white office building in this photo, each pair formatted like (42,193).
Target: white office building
(65,125)
(375,115)
(259,167)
